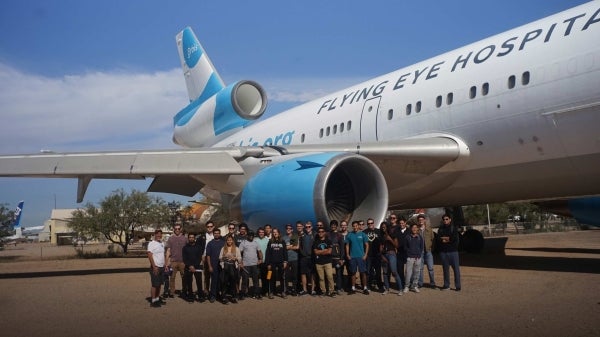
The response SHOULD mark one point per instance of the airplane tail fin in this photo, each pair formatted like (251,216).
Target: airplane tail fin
(18,213)
(17,223)
(201,78)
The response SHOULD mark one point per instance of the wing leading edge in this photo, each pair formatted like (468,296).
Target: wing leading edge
(177,171)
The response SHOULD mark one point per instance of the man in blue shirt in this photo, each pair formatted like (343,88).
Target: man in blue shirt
(357,249)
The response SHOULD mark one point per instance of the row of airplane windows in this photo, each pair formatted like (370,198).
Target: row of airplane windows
(485,89)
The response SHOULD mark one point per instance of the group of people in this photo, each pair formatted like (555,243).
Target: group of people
(325,260)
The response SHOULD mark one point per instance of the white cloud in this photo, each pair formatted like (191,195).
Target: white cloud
(111,110)
(300,90)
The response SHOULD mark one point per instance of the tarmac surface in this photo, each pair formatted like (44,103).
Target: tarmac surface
(545,285)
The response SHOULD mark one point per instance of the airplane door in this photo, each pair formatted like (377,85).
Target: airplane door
(368,120)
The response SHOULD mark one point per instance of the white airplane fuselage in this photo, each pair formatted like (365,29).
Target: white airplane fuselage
(512,117)
(524,104)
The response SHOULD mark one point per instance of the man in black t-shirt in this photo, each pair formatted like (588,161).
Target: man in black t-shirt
(322,252)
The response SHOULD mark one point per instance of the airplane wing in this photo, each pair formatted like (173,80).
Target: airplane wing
(128,165)
(174,171)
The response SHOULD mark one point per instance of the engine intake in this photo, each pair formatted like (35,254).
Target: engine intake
(320,186)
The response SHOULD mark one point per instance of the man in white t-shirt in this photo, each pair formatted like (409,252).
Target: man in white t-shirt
(156,255)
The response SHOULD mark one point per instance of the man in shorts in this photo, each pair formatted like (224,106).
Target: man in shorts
(156,255)
(357,249)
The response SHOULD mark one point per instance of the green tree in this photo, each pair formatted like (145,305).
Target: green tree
(499,212)
(7,219)
(119,216)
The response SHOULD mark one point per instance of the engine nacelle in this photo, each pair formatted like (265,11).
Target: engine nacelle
(585,210)
(206,120)
(320,186)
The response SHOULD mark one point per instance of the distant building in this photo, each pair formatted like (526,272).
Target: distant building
(57,230)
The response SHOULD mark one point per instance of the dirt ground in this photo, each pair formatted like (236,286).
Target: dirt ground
(545,285)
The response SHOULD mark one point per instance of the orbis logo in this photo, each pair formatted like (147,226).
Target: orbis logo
(191,48)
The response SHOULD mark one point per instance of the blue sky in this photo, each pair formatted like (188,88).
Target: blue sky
(105,75)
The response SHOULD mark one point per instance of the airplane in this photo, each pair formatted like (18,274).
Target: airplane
(513,117)
(16,225)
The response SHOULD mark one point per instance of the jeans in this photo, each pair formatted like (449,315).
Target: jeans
(187,282)
(229,278)
(401,262)
(215,282)
(427,260)
(277,274)
(450,259)
(291,274)
(339,274)
(374,271)
(391,268)
(250,272)
(413,268)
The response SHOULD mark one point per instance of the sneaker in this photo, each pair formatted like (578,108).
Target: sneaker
(155,304)
(366,291)
(211,299)
(271,296)
(385,292)
(405,290)
(313,293)
(416,290)
(338,292)
(283,295)
(400,293)
(351,292)
(162,302)
(233,300)
(331,294)
(457,289)
(444,288)
(225,301)
(302,293)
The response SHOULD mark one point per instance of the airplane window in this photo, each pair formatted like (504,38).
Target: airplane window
(438,101)
(390,114)
(449,98)
(321,133)
(473,92)
(349,125)
(302,138)
(408,109)
(418,107)
(335,129)
(341,127)
(328,131)
(511,81)
(485,88)
(525,78)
